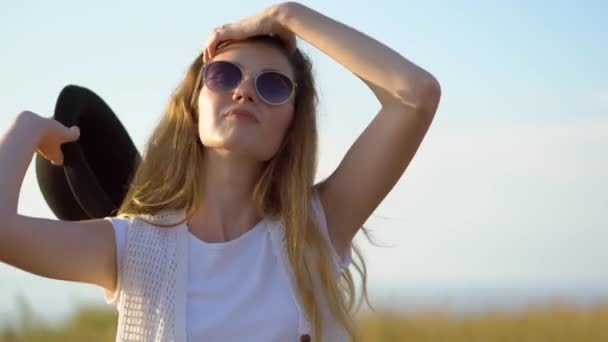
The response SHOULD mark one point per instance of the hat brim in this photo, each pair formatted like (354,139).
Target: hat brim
(97,168)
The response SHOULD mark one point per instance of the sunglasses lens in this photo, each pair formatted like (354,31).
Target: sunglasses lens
(273,87)
(222,76)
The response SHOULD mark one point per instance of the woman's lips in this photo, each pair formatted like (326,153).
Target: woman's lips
(241,114)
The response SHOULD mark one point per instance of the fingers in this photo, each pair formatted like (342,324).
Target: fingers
(205,55)
(74,133)
(68,134)
(211,45)
(241,30)
(55,158)
(58,161)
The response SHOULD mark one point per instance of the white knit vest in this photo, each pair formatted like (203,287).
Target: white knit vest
(152,300)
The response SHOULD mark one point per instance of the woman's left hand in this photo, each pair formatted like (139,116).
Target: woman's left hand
(263,23)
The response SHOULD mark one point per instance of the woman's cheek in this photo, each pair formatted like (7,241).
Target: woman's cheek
(279,131)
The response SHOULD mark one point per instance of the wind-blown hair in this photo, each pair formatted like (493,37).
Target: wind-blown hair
(169,177)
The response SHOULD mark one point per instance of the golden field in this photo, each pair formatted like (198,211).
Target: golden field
(555,322)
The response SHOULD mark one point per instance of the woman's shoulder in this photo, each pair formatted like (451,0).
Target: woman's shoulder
(127,225)
(119,220)
(121,225)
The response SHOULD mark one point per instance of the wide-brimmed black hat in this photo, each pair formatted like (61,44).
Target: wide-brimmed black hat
(97,168)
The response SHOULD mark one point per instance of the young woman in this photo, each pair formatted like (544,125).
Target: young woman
(222,235)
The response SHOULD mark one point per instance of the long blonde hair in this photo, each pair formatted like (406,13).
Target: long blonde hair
(169,178)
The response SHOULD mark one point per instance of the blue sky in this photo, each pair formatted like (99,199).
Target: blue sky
(507,192)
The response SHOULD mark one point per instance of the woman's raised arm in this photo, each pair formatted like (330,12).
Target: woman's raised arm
(83,251)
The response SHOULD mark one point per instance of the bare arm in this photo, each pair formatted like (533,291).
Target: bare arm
(82,251)
(409,97)
(394,80)
(16,150)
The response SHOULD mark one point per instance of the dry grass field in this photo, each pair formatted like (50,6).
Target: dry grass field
(556,322)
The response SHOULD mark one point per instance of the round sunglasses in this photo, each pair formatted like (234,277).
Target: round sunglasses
(272,87)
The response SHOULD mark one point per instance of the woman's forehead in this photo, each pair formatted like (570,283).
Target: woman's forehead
(255,57)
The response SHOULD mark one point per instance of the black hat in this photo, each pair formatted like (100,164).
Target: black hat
(97,168)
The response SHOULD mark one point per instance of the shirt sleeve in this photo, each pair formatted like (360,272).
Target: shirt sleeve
(121,225)
(342,261)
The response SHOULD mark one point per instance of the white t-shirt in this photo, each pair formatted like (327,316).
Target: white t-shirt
(235,290)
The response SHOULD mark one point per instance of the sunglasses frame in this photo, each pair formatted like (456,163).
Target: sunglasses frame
(255,82)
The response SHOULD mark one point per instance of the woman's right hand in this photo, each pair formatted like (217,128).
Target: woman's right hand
(52,135)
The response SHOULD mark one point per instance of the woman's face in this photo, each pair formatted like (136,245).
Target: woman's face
(257,140)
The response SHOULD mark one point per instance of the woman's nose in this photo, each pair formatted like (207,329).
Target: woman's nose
(245,89)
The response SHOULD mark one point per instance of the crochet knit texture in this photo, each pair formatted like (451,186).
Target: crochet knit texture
(152,299)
